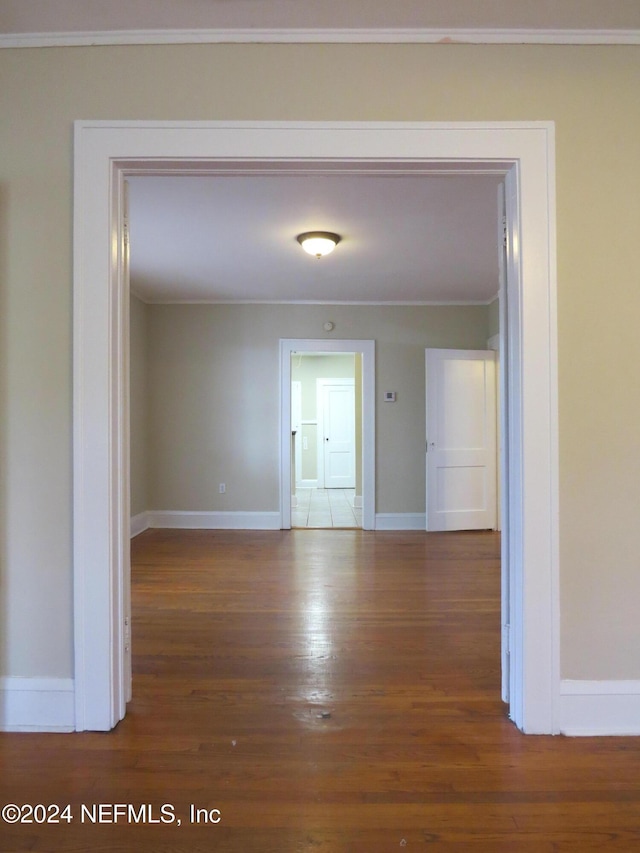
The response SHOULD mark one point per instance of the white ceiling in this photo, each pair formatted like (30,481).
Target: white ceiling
(405,238)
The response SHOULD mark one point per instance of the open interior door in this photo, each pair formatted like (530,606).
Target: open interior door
(461,439)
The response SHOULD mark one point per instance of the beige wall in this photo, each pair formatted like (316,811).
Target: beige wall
(214,379)
(309,456)
(493,324)
(592,95)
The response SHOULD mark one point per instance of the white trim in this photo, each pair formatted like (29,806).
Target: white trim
(400,521)
(139,523)
(307,484)
(512,552)
(591,708)
(36,704)
(291,35)
(214,520)
(105,153)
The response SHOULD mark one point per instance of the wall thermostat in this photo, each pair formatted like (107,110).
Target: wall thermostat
(389,396)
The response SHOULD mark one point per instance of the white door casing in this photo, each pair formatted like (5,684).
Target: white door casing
(496,343)
(461,439)
(296,439)
(126,556)
(507,230)
(336,433)
(493,344)
(105,153)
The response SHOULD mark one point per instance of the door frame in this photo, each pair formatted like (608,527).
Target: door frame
(367,349)
(105,153)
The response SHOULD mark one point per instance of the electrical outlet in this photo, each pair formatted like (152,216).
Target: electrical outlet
(222,488)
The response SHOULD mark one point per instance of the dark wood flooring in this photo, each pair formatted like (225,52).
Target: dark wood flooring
(325,691)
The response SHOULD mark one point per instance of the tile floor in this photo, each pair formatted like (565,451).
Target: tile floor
(325,508)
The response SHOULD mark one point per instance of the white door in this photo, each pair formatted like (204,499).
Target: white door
(337,434)
(296,437)
(461,439)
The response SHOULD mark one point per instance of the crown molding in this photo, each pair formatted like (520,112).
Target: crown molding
(325,36)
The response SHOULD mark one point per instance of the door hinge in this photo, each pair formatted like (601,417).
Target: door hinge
(505,233)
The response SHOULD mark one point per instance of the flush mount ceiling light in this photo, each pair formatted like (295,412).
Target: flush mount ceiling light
(318,243)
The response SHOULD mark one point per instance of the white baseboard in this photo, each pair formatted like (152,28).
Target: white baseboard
(215,520)
(256,520)
(37,704)
(591,708)
(400,521)
(306,484)
(139,523)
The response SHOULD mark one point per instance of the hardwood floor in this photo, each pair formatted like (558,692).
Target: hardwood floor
(329,691)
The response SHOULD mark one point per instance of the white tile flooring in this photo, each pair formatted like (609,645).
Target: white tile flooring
(325,508)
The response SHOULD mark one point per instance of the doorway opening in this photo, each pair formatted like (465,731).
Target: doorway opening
(359,469)
(326,440)
(105,154)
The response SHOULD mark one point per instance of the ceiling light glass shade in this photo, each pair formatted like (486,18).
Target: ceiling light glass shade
(318,243)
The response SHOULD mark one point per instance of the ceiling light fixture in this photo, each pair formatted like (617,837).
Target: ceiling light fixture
(318,243)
